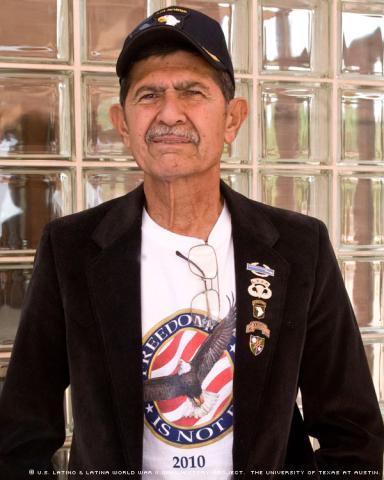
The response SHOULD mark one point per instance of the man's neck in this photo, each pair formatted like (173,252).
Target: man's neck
(187,206)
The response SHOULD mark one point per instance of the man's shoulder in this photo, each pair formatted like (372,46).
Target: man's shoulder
(82,224)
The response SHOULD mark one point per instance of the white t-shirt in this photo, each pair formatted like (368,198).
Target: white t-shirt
(190,434)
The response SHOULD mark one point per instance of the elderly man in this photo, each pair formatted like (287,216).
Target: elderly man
(184,315)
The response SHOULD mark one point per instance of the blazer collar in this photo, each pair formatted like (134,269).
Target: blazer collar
(127,212)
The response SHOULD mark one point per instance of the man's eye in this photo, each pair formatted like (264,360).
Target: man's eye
(193,93)
(148,97)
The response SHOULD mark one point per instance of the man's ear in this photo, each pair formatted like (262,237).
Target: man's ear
(116,114)
(237,112)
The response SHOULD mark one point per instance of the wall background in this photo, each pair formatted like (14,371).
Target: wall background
(313,73)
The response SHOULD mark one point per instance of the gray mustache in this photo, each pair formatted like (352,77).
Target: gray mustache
(164,130)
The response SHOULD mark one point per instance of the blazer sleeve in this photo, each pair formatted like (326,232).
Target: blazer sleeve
(340,407)
(31,405)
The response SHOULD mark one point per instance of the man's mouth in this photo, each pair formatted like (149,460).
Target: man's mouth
(170,139)
(171,135)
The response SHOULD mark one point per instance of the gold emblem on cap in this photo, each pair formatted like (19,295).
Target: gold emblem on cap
(211,55)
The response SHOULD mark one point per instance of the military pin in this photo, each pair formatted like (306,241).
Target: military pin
(256,344)
(260,270)
(259,308)
(256,325)
(259,288)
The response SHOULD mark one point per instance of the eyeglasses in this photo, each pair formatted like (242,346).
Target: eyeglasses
(202,262)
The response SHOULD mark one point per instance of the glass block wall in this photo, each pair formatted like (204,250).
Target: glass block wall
(313,73)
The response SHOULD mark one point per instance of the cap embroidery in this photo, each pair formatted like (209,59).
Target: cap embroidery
(168,20)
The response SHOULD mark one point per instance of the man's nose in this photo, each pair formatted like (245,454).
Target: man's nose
(172,109)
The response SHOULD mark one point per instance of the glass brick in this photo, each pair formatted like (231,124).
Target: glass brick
(104,184)
(34,31)
(362,126)
(301,192)
(240,150)
(30,198)
(106,24)
(375,357)
(234,18)
(294,36)
(361,210)
(362,38)
(294,123)
(34,115)
(364,281)
(238,180)
(14,280)
(101,139)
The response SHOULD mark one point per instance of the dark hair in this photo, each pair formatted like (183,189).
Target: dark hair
(221,77)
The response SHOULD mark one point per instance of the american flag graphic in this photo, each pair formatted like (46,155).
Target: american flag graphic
(183,346)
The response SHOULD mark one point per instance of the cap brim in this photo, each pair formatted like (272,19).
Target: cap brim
(150,36)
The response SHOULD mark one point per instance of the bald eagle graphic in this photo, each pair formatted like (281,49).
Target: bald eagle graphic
(190,375)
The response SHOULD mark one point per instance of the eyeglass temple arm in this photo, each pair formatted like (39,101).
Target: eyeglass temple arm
(179,254)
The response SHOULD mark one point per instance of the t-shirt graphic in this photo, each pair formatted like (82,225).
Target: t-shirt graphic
(188,372)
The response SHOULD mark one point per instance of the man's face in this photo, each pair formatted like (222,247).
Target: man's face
(175,117)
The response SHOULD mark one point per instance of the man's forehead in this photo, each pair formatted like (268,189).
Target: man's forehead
(183,66)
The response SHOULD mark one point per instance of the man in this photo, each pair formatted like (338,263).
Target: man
(183,314)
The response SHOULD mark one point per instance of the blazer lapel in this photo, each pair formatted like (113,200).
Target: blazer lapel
(260,302)
(114,283)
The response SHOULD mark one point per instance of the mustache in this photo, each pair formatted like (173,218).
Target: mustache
(157,131)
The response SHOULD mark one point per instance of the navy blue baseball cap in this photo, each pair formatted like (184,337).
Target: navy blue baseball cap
(202,32)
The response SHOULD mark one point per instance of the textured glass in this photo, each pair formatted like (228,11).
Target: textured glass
(294,35)
(101,139)
(34,30)
(364,281)
(375,357)
(238,180)
(301,192)
(362,127)
(294,123)
(240,150)
(361,210)
(106,24)
(28,200)
(14,280)
(234,18)
(34,115)
(104,184)
(362,38)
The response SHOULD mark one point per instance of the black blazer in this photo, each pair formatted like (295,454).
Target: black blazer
(81,324)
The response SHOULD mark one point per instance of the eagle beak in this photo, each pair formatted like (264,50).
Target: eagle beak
(199,400)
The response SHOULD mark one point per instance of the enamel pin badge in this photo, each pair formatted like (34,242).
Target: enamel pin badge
(256,344)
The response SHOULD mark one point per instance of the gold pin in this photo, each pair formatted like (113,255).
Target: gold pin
(255,325)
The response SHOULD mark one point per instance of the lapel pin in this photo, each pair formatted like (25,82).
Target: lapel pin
(260,270)
(256,344)
(259,307)
(256,325)
(259,288)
